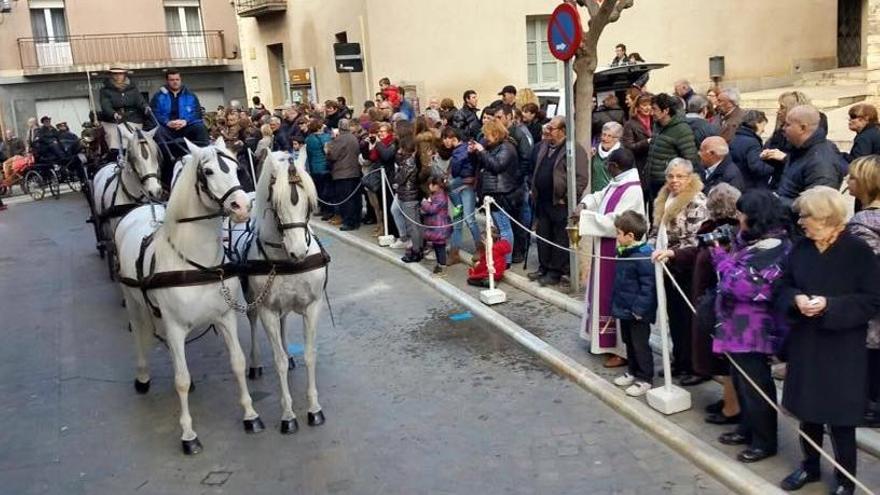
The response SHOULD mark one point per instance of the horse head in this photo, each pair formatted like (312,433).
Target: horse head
(142,159)
(217,180)
(293,197)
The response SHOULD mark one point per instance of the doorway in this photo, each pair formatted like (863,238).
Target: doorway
(849,33)
(278,74)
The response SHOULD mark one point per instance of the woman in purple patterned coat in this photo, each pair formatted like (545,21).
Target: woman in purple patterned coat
(749,329)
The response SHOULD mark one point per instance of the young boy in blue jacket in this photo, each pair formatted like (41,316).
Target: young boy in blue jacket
(634,301)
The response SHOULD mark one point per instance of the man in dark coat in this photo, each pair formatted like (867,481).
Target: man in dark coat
(342,153)
(466,119)
(46,145)
(718,166)
(672,138)
(814,161)
(697,110)
(731,114)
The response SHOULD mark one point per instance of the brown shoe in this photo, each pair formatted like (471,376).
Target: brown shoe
(336,220)
(614,362)
(453,258)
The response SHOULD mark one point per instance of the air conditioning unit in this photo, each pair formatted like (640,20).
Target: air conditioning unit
(5,6)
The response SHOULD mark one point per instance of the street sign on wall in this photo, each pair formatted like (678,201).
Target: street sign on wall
(564,32)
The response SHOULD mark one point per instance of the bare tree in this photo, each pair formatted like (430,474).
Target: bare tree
(586,60)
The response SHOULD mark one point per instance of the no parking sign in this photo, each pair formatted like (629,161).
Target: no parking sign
(564,33)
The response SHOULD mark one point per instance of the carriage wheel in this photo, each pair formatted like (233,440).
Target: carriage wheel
(54,184)
(33,184)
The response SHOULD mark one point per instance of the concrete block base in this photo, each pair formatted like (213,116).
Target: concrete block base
(492,296)
(669,400)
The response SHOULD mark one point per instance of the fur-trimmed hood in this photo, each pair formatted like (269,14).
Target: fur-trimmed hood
(679,203)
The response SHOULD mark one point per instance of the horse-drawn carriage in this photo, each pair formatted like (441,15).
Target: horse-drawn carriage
(35,177)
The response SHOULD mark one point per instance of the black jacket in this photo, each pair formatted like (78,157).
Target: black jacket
(467,121)
(635,138)
(499,169)
(406,179)
(816,163)
(867,142)
(522,140)
(745,151)
(702,129)
(127,102)
(726,171)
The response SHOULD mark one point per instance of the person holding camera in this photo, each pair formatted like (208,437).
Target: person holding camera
(830,292)
(748,328)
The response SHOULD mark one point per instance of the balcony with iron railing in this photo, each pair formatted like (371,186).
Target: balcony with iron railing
(256,8)
(75,53)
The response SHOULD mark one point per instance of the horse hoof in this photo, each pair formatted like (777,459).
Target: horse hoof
(291,363)
(191,447)
(253,425)
(289,426)
(141,387)
(316,419)
(255,372)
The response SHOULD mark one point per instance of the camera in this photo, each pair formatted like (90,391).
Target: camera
(722,235)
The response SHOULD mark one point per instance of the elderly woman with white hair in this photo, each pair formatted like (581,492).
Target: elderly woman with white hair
(608,142)
(679,211)
(829,292)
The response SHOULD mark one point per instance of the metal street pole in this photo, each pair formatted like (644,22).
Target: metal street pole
(574,271)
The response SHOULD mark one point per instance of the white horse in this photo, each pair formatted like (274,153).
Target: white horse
(285,198)
(188,241)
(119,188)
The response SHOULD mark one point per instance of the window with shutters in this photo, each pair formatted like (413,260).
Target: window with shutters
(544,70)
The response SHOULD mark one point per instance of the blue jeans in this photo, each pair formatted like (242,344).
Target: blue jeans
(505,228)
(463,196)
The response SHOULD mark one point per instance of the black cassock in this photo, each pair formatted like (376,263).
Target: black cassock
(827,359)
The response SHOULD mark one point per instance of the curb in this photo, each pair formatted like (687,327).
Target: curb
(732,474)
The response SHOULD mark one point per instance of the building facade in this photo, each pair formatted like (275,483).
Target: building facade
(439,48)
(52,52)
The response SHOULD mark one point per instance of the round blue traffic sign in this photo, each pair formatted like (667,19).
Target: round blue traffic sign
(564,33)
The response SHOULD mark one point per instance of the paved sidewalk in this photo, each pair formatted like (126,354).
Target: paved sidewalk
(558,328)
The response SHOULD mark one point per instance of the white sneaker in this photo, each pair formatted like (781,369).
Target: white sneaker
(430,256)
(624,380)
(638,389)
(398,244)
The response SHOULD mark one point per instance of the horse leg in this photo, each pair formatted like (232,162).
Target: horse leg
(175,336)
(310,327)
(226,326)
(291,363)
(140,329)
(272,324)
(256,370)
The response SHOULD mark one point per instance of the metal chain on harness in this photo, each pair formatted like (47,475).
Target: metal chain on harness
(258,301)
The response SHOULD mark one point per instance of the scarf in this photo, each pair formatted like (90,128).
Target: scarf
(604,154)
(646,122)
(374,153)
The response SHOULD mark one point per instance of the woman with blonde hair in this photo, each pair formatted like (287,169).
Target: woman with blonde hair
(526,95)
(829,292)
(864,184)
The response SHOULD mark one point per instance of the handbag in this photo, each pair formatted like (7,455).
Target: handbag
(373,179)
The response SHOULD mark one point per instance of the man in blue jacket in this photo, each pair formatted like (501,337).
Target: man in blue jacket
(179,114)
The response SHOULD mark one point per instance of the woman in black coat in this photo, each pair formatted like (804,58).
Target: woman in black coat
(830,292)
(863,121)
(745,151)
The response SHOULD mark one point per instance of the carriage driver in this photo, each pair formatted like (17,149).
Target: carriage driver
(179,114)
(120,102)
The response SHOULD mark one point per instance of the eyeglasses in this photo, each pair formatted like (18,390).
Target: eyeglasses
(855,117)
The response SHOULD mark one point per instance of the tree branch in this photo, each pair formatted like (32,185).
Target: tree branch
(618,8)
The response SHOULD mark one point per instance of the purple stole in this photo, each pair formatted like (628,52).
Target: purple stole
(607,249)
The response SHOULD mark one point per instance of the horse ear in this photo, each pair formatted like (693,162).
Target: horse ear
(220,143)
(126,134)
(193,149)
(152,132)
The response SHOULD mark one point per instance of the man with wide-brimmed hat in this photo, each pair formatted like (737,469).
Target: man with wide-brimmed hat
(120,101)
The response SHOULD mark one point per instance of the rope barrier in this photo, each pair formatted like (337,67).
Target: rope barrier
(453,224)
(353,193)
(769,401)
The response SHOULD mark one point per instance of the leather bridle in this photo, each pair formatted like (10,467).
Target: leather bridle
(202,188)
(144,146)
(295,182)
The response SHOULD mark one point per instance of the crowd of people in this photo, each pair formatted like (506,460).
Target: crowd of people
(755,234)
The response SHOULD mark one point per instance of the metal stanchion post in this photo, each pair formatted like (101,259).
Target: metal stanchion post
(385,240)
(493,295)
(668,399)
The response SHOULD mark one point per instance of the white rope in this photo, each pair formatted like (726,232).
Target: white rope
(453,224)
(353,193)
(514,220)
(767,399)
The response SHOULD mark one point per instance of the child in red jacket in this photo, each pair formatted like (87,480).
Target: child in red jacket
(478,275)
(390,92)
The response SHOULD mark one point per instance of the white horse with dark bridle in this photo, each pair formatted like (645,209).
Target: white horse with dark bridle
(287,272)
(133,180)
(175,277)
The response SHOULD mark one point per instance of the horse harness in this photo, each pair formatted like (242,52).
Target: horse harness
(147,278)
(120,210)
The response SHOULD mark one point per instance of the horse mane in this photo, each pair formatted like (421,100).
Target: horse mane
(184,187)
(307,182)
